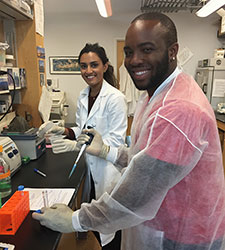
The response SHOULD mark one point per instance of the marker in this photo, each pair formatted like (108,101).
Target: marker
(39,172)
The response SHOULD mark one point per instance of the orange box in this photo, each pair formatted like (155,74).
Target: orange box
(14,212)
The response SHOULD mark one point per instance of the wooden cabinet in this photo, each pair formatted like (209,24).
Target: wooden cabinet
(27,41)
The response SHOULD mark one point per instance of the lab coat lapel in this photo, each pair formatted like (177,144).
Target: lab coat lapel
(95,108)
(84,106)
(97,103)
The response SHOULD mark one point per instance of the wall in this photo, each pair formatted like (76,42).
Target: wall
(66,34)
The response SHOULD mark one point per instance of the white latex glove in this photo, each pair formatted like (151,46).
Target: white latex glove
(56,130)
(44,128)
(58,218)
(50,127)
(96,145)
(64,145)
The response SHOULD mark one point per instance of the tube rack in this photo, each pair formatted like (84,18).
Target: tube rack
(14,212)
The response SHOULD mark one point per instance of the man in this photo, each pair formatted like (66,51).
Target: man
(171,195)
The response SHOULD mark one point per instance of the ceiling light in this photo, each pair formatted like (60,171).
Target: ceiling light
(104,7)
(210,7)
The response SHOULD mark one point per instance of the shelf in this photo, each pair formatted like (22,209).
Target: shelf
(11,11)
(4,92)
(12,88)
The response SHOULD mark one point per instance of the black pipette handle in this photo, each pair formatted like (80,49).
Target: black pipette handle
(90,135)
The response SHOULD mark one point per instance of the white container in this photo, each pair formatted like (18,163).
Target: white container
(9,60)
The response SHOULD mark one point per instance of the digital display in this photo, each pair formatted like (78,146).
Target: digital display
(8,149)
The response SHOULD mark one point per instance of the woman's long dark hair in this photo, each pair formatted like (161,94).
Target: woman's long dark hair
(100,51)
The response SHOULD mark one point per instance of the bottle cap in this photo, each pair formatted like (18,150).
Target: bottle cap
(20,187)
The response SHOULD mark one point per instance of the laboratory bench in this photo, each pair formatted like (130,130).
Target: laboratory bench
(31,235)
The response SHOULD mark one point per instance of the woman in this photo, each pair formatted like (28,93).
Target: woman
(103,107)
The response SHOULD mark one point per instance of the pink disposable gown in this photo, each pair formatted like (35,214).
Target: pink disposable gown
(173,186)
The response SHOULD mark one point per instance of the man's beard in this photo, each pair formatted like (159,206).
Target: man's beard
(161,72)
(159,76)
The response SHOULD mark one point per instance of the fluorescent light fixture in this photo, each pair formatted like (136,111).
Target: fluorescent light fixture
(104,7)
(210,7)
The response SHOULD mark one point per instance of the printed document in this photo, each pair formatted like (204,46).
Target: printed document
(52,196)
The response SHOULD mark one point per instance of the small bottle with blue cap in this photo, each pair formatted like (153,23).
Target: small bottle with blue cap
(21,188)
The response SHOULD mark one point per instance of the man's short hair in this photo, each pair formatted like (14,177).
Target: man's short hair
(166,22)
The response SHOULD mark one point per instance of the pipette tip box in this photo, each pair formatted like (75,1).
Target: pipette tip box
(13,213)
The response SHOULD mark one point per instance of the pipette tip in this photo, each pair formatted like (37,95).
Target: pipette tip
(74,166)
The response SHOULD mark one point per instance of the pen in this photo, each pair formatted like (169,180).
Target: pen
(39,172)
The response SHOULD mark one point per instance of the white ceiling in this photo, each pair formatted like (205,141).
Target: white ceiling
(89,6)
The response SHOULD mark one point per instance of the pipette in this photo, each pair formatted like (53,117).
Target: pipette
(80,153)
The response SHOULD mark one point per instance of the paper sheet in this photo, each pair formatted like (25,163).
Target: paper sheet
(45,104)
(184,56)
(55,195)
(218,88)
(39,16)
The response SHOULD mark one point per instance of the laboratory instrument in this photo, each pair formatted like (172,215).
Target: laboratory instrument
(59,107)
(209,72)
(10,153)
(81,152)
(28,142)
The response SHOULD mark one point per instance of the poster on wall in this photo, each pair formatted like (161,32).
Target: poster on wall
(40,52)
(41,66)
(64,65)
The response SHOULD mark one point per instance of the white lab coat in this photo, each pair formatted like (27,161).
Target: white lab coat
(109,117)
(128,88)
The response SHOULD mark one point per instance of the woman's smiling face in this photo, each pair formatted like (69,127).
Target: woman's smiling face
(92,69)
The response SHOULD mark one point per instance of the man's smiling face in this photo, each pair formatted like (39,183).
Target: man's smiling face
(146,54)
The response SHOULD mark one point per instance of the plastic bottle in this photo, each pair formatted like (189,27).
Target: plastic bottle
(5,180)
